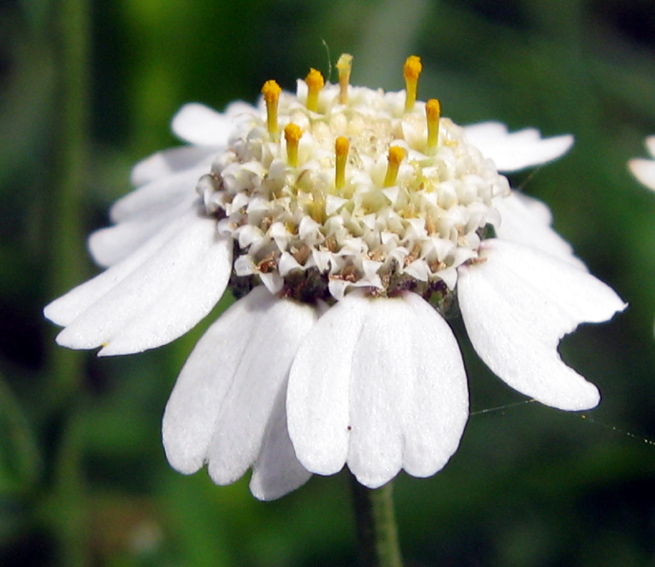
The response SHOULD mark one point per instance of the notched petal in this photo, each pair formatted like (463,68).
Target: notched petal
(517,305)
(227,407)
(152,297)
(379,384)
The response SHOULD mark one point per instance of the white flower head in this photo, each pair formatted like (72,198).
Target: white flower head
(348,222)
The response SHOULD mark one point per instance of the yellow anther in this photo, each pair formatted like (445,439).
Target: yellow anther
(344,66)
(396,156)
(341,147)
(292,134)
(315,83)
(412,70)
(433,112)
(271,91)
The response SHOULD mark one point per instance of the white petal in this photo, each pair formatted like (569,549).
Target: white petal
(277,471)
(650,145)
(110,245)
(528,221)
(449,276)
(153,296)
(516,150)
(378,383)
(66,309)
(318,397)
(198,124)
(337,288)
(644,171)
(171,161)
(287,263)
(272,281)
(229,398)
(158,196)
(419,270)
(517,304)
(333,204)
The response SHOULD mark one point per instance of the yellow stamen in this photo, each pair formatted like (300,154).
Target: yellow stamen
(271,91)
(396,156)
(315,83)
(433,111)
(341,147)
(344,65)
(412,70)
(292,134)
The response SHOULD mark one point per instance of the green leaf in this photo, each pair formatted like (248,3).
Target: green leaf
(20,461)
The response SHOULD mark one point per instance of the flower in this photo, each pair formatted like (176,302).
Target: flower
(644,169)
(349,223)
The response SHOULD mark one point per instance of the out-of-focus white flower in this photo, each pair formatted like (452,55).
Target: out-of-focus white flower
(644,169)
(348,222)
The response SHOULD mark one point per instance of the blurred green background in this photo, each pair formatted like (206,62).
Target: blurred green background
(88,89)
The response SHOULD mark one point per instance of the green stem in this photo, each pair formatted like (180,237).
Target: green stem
(70,39)
(70,144)
(376,525)
(67,507)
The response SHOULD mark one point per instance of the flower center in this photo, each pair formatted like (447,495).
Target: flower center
(364,189)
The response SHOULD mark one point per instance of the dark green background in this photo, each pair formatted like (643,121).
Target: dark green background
(83,479)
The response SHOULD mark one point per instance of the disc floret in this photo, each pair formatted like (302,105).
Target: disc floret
(360,192)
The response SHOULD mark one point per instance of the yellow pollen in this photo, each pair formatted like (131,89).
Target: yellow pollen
(412,70)
(433,112)
(341,147)
(344,65)
(315,83)
(396,156)
(292,134)
(271,91)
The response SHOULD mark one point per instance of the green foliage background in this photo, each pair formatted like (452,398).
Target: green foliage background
(88,89)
